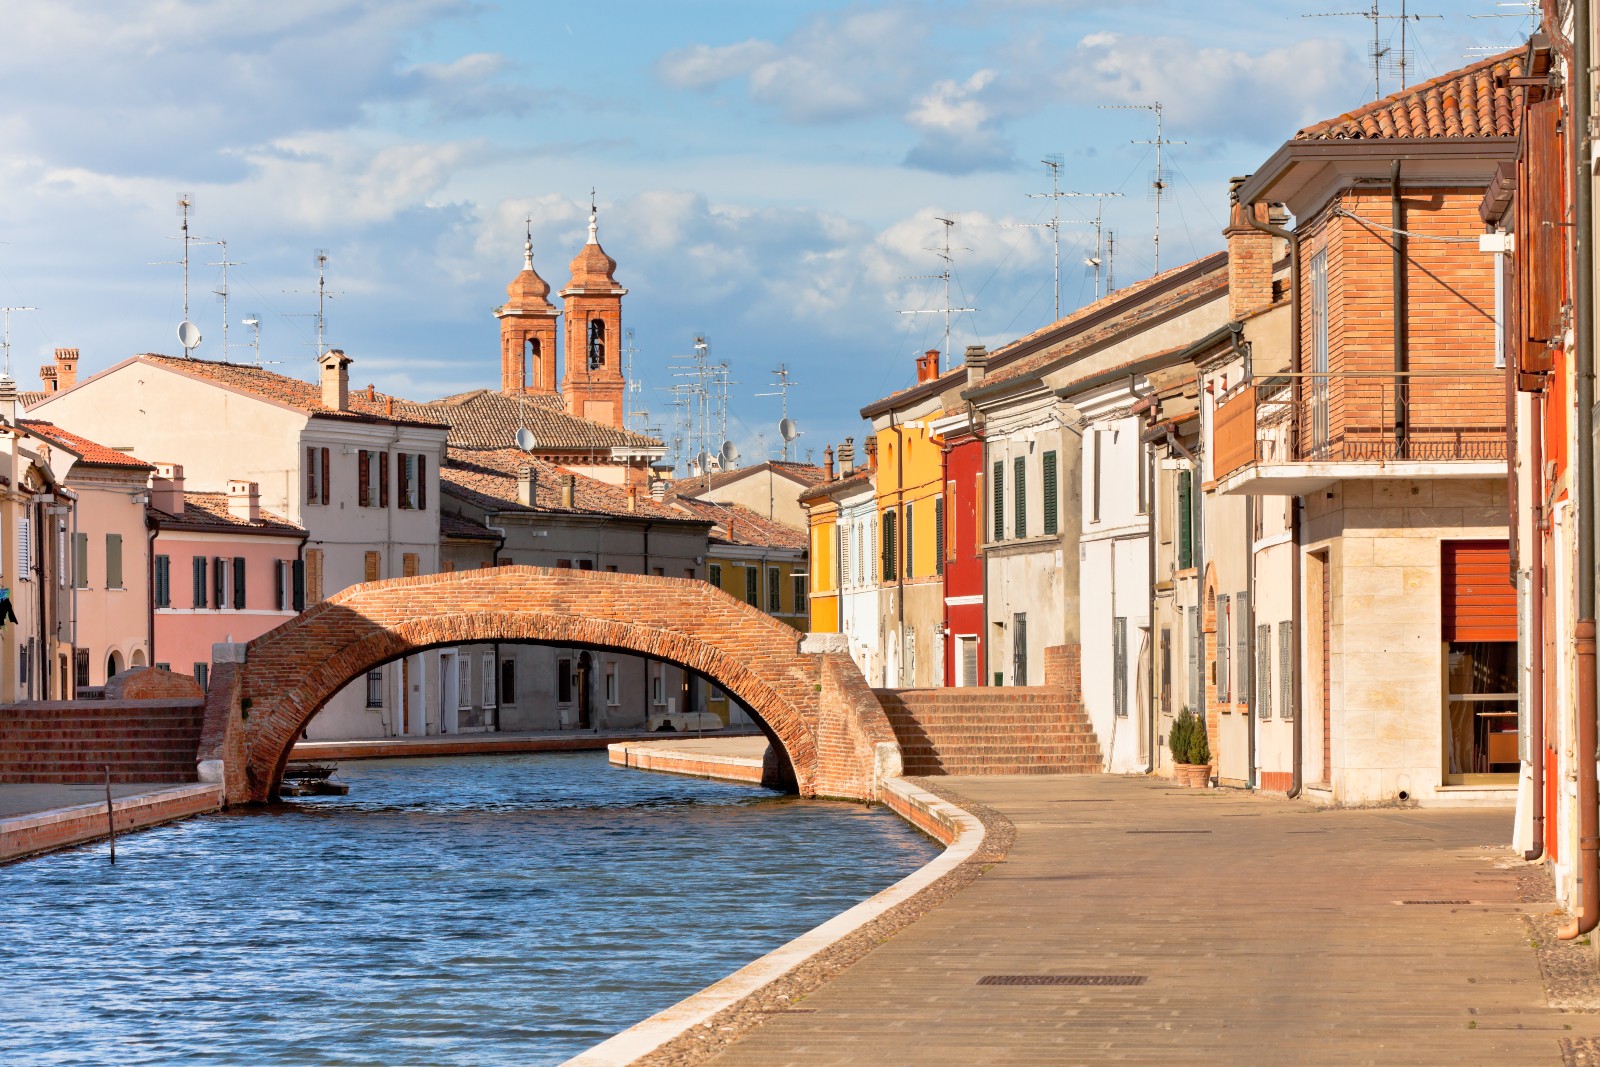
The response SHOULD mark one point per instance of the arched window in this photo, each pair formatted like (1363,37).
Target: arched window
(597,344)
(535,357)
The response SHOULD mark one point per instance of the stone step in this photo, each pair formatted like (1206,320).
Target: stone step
(118,777)
(147,730)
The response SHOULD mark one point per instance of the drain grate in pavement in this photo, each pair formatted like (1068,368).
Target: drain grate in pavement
(1078,802)
(1166,831)
(1062,979)
(1438,902)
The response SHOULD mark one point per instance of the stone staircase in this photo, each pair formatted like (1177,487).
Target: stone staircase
(992,730)
(74,741)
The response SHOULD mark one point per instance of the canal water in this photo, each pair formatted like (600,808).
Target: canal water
(480,910)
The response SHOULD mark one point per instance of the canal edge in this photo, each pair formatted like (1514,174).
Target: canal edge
(702,1025)
(39,832)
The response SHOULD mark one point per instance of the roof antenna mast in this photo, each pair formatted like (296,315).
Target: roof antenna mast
(1158,184)
(222,294)
(944,252)
(1380,52)
(783,384)
(5,337)
(1055,195)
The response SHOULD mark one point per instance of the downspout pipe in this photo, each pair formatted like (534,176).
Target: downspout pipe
(1397,222)
(1297,612)
(1536,631)
(154,525)
(1247,618)
(1588,866)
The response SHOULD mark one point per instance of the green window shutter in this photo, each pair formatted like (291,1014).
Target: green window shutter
(1185,523)
(199,581)
(1020,491)
(238,583)
(890,570)
(938,535)
(911,527)
(774,581)
(999,501)
(113,561)
(751,591)
(1050,519)
(80,560)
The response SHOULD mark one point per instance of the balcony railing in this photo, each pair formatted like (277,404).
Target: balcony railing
(1418,417)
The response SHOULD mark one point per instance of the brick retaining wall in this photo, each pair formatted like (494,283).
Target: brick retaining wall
(26,835)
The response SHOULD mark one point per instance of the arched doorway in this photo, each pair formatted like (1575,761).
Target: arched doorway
(113,665)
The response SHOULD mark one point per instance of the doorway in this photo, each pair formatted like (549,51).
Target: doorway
(1019,648)
(583,673)
(449,692)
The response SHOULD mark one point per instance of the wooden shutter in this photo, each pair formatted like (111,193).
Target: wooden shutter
(199,581)
(280,571)
(383,479)
(1119,666)
(1050,520)
(422,482)
(80,561)
(219,582)
(1286,669)
(325,465)
(403,473)
(372,561)
(1019,474)
(1185,523)
(889,545)
(1480,603)
(1264,671)
(1541,237)
(938,535)
(1241,669)
(1222,649)
(409,565)
(312,466)
(163,581)
(238,583)
(999,501)
(298,578)
(113,561)
(363,478)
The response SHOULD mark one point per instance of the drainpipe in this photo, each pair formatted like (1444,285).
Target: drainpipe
(1198,548)
(899,540)
(1155,637)
(494,562)
(1397,222)
(1536,632)
(1249,215)
(1588,866)
(1248,617)
(150,568)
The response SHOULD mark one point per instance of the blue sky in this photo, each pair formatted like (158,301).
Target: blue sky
(768,174)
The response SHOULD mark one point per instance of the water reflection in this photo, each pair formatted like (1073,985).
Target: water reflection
(510,909)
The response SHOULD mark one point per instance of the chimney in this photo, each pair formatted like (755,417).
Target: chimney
(847,457)
(8,400)
(569,484)
(1250,255)
(335,379)
(658,490)
(47,375)
(527,486)
(372,393)
(66,368)
(871,445)
(166,488)
(827,463)
(977,365)
(244,500)
(928,366)
(633,498)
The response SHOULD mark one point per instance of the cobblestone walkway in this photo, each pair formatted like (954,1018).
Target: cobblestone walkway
(1258,931)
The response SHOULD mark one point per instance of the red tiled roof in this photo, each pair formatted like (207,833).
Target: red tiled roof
(857,477)
(210,511)
(302,395)
(88,452)
(739,525)
(487,420)
(1475,101)
(806,474)
(464,529)
(1138,305)
(489,480)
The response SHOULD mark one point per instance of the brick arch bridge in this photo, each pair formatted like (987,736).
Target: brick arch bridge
(815,707)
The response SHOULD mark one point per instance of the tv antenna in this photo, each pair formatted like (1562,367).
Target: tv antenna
(635,415)
(1055,195)
(786,428)
(1111,262)
(5,337)
(1159,184)
(253,321)
(1380,52)
(944,252)
(187,331)
(323,295)
(222,294)
(700,400)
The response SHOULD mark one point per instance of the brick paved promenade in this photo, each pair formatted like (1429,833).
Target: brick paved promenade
(1266,932)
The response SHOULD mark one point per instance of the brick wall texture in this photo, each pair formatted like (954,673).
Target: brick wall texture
(152,683)
(807,705)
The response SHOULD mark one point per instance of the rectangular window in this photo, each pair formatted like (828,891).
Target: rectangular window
(280,584)
(238,583)
(318,462)
(372,566)
(219,583)
(202,675)
(658,684)
(1264,671)
(199,581)
(413,481)
(588,565)
(410,564)
(564,564)
(383,479)
(714,571)
(911,528)
(1241,684)
(406,473)
(613,696)
(25,550)
(1019,491)
(80,668)
(375,688)
(752,587)
(486,673)
(1286,695)
(163,589)
(1222,649)
(508,680)
(999,488)
(938,535)
(1185,519)
(774,585)
(888,547)
(1048,471)
(365,496)
(1165,680)
(801,594)
(80,562)
(1094,480)
(297,581)
(1119,666)
(113,561)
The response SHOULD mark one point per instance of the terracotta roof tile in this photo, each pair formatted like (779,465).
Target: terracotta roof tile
(210,511)
(487,420)
(304,396)
(860,476)
(88,452)
(489,479)
(806,474)
(464,529)
(739,525)
(1475,101)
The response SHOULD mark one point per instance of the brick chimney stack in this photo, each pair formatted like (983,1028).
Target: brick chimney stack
(335,379)
(871,445)
(928,366)
(47,375)
(827,463)
(847,457)
(1250,257)
(633,498)
(527,486)
(569,485)
(66,368)
(244,500)
(166,488)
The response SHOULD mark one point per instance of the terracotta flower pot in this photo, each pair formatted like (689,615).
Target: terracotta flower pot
(1193,775)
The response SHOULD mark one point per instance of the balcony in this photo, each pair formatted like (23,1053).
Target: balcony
(1293,434)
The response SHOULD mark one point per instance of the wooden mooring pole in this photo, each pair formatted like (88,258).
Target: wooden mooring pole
(111,822)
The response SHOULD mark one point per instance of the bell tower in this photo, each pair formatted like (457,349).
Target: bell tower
(527,331)
(593,384)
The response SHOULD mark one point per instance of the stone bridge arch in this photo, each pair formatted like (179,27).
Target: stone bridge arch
(816,708)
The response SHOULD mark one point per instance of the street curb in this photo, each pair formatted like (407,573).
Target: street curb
(46,831)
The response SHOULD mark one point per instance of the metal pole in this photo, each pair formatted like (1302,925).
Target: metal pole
(111,822)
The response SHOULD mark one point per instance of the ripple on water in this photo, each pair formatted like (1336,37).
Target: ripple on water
(505,909)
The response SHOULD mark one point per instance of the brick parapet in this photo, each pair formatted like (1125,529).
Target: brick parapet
(151,683)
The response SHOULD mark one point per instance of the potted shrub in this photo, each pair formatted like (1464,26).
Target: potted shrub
(1191,751)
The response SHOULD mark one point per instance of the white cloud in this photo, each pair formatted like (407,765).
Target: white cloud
(958,128)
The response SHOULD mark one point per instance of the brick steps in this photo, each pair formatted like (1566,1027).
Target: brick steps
(76,742)
(1013,730)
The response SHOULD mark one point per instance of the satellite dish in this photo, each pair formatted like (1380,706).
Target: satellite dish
(703,460)
(729,452)
(788,429)
(525,440)
(188,335)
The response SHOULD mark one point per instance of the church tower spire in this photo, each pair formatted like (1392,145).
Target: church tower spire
(593,384)
(527,330)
